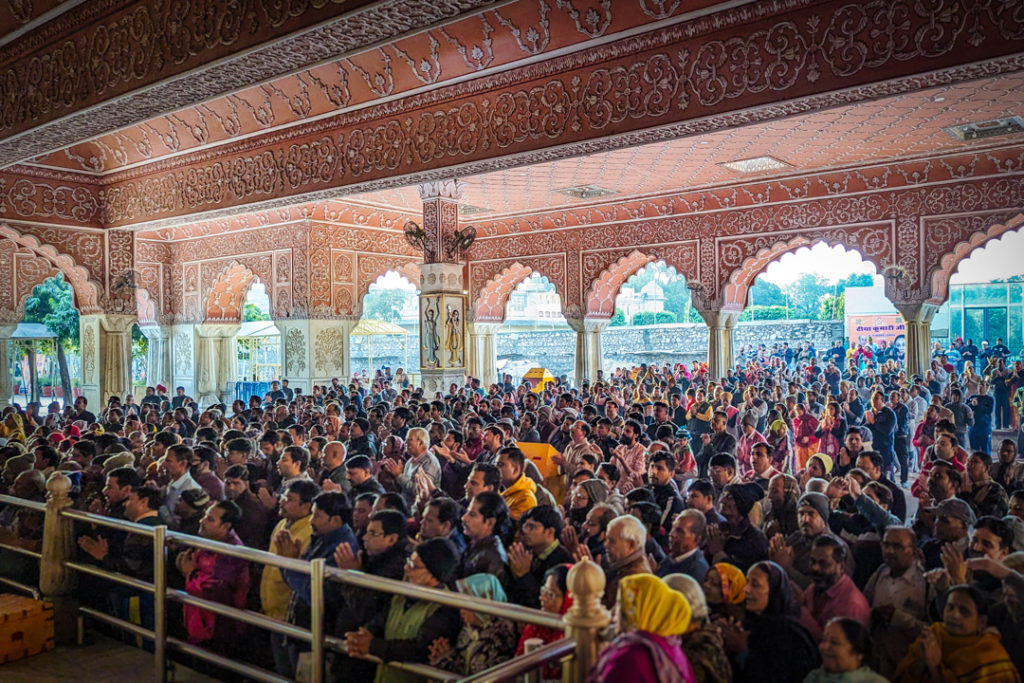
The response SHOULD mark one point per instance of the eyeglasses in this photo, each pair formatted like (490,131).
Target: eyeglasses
(375,534)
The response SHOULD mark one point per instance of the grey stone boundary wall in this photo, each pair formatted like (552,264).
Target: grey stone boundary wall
(682,342)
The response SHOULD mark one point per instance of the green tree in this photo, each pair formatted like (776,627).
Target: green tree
(386,304)
(805,295)
(765,293)
(250,313)
(52,304)
(619,319)
(833,307)
(763,313)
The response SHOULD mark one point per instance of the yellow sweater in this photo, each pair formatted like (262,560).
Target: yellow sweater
(274,592)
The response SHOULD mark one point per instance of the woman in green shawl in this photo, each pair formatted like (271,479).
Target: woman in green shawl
(406,631)
(484,641)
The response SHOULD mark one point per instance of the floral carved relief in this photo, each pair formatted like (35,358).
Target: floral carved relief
(329,350)
(183,353)
(295,351)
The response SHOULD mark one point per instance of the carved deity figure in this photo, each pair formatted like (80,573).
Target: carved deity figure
(454,329)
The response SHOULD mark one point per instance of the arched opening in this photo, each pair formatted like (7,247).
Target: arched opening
(140,362)
(656,294)
(387,336)
(813,296)
(985,303)
(258,342)
(45,352)
(535,333)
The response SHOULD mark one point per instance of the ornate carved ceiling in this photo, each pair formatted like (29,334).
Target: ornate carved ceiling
(328,116)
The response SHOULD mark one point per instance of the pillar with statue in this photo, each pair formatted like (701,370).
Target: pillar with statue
(443,304)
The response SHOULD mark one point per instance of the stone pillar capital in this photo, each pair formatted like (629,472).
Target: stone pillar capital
(7,330)
(117,323)
(917,312)
(722,319)
(451,189)
(218,330)
(484,328)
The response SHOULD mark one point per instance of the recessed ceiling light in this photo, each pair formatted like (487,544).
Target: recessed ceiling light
(755,165)
(938,98)
(470,210)
(987,129)
(585,191)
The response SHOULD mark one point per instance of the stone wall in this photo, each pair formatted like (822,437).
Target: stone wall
(677,343)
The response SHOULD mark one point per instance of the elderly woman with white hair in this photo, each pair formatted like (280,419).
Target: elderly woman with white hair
(702,641)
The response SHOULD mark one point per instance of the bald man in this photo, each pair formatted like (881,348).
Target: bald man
(334,469)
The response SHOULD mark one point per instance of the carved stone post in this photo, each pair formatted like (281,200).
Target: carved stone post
(720,347)
(442,294)
(6,377)
(216,362)
(115,355)
(586,617)
(330,350)
(57,582)
(918,320)
(158,360)
(589,357)
(483,352)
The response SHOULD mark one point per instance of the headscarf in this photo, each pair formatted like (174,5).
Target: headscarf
(826,461)
(482,586)
(17,427)
(733,582)
(782,601)
(779,427)
(790,489)
(597,491)
(691,590)
(648,604)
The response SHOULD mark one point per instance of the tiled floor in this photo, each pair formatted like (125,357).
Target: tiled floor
(104,661)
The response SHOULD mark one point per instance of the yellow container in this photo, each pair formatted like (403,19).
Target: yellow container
(26,627)
(539,378)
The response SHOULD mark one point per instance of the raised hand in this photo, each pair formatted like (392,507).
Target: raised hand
(519,560)
(346,559)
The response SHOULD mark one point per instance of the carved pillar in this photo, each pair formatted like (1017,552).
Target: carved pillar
(483,352)
(216,361)
(442,326)
(720,347)
(158,360)
(89,333)
(589,357)
(295,354)
(6,377)
(442,294)
(918,320)
(182,358)
(329,350)
(116,355)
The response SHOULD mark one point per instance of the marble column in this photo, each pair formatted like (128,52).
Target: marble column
(720,347)
(589,357)
(6,376)
(918,320)
(442,327)
(216,360)
(116,355)
(158,360)
(483,352)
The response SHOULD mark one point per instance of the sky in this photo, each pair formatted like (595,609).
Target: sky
(998,259)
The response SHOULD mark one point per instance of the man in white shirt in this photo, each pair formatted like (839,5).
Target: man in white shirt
(176,464)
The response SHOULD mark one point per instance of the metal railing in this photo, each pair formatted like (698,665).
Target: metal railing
(57,570)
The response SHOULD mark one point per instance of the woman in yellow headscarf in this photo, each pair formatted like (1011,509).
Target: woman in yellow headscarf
(12,428)
(723,586)
(652,617)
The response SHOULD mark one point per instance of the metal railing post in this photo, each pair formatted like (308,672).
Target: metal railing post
(585,618)
(160,603)
(56,582)
(316,627)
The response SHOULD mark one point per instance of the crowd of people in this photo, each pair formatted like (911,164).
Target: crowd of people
(804,519)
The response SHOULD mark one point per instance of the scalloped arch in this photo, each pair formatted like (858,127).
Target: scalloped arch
(737,287)
(86,291)
(605,288)
(939,278)
(409,271)
(227,296)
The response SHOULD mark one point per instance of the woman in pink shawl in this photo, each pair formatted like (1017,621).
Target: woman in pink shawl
(652,617)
